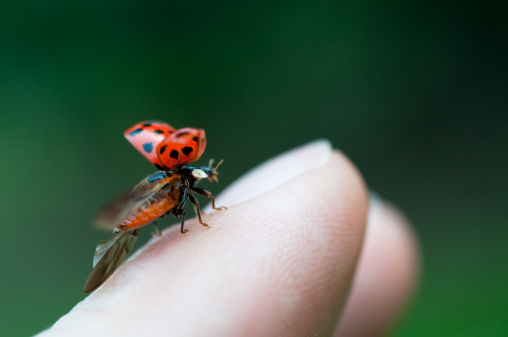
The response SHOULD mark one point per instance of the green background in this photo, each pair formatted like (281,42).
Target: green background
(415,94)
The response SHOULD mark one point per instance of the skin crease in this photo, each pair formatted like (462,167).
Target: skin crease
(278,262)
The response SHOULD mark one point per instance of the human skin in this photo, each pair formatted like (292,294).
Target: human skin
(297,253)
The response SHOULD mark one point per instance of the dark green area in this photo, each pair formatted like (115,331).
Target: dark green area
(415,93)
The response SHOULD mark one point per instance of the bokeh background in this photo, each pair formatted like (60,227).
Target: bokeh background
(414,93)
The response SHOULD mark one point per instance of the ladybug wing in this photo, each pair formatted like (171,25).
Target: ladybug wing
(146,137)
(182,147)
(109,254)
(117,210)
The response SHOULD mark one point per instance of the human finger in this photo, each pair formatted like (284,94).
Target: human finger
(386,277)
(279,263)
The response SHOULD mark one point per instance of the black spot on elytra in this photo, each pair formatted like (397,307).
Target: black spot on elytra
(195,138)
(147,125)
(187,150)
(181,134)
(158,132)
(163,149)
(135,132)
(174,154)
(158,166)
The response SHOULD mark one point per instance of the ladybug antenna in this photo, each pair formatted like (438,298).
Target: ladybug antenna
(210,163)
(214,175)
(215,168)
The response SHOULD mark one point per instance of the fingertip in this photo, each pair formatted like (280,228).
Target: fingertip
(276,172)
(279,262)
(387,274)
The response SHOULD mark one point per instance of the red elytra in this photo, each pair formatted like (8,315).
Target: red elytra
(146,136)
(182,147)
(164,146)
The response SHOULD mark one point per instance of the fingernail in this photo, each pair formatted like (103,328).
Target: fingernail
(307,157)
(376,205)
(379,209)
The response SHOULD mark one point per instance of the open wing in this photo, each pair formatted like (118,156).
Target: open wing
(146,136)
(116,211)
(181,147)
(109,254)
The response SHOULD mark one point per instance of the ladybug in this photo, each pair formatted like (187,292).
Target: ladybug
(163,192)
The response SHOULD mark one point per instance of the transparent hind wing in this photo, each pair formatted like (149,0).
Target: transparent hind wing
(109,254)
(116,211)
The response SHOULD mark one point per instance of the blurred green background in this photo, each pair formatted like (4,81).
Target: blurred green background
(415,94)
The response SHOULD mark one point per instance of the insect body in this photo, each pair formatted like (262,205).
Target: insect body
(164,192)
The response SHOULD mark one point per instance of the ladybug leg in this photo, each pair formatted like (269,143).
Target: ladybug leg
(183,231)
(179,212)
(196,208)
(207,194)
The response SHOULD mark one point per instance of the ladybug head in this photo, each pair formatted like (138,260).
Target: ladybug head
(207,172)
